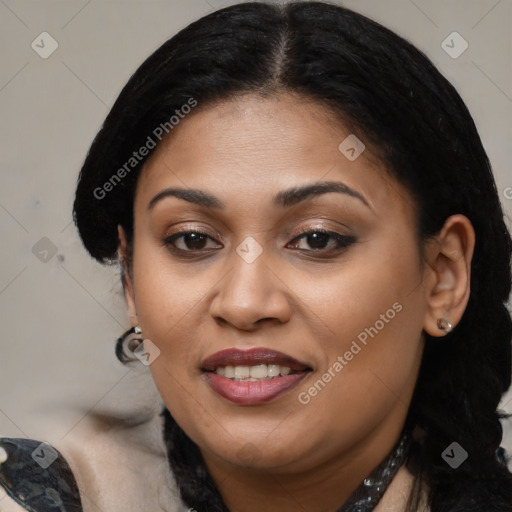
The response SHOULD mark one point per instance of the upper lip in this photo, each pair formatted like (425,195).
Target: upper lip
(251,357)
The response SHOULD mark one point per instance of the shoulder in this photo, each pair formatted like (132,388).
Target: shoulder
(35,476)
(104,465)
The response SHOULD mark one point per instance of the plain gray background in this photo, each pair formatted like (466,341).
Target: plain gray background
(61,311)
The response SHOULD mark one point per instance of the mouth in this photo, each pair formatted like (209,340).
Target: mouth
(252,377)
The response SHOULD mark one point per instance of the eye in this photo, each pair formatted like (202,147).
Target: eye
(191,241)
(195,241)
(319,240)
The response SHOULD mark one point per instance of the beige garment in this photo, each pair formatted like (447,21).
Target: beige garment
(396,495)
(117,452)
(7,504)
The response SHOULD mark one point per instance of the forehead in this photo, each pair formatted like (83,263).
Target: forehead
(252,128)
(252,147)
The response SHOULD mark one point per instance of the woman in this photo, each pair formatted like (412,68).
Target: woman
(316,267)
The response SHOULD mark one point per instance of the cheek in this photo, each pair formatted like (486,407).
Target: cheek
(165,299)
(170,304)
(374,294)
(375,312)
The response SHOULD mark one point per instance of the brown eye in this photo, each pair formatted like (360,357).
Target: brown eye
(190,241)
(318,240)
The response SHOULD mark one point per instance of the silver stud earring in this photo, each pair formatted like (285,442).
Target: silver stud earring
(444,325)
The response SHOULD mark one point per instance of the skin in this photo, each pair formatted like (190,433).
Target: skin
(285,455)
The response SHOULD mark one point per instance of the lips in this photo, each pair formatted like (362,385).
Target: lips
(252,377)
(251,357)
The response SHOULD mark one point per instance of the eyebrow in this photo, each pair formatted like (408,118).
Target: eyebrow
(284,198)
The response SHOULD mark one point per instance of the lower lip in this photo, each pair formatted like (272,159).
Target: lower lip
(252,393)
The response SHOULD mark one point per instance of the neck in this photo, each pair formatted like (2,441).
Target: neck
(322,487)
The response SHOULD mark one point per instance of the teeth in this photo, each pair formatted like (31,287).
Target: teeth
(242,372)
(273,370)
(253,373)
(259,371)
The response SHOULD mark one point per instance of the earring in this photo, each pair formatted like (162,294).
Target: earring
(444,325)
(133,339)
(128,343)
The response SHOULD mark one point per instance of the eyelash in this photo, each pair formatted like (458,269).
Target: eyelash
(343,241)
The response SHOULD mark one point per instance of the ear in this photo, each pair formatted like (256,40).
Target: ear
(448,283)
(126,277)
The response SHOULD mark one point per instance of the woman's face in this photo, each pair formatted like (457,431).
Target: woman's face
(328,325)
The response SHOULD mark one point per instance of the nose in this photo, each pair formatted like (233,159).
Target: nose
(250,295)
